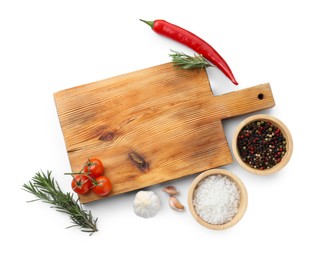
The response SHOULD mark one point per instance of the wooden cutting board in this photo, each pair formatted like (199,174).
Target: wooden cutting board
(151,125)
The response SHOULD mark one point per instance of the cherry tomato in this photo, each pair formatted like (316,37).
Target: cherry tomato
(94,167)
(81,184)
(103,186)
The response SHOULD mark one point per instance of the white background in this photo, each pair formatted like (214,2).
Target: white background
(47,46)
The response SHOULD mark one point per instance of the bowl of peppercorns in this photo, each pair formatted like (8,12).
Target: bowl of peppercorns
(262,144)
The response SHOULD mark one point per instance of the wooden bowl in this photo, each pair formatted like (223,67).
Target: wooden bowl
(284,130)
(242,204)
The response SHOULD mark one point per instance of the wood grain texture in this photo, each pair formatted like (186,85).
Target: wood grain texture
(151,125)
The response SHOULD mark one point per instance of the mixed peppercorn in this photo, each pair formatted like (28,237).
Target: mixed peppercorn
(261,145)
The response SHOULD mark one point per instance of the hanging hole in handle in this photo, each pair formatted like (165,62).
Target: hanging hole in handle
(260,96)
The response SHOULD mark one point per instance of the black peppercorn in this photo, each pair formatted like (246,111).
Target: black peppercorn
(261,145)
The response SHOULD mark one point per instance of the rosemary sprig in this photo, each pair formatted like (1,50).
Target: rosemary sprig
(185,61)
(45,188)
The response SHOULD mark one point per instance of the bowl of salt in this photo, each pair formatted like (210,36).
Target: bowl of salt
(217,199)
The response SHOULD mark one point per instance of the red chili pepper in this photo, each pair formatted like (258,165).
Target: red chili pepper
(192,41)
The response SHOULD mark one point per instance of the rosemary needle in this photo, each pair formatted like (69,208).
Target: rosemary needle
(45,188)
(185,61)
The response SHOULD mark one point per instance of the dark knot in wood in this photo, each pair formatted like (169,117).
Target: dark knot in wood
(108,136)
(138,161)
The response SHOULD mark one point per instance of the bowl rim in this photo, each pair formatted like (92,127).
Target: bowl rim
(242,205)
(284,129)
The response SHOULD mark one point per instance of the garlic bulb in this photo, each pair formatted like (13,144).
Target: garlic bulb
(146,204)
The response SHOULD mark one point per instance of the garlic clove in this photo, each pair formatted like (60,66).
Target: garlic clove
(175,204)
(171,190)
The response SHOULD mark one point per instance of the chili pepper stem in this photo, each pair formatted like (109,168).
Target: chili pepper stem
(150,23)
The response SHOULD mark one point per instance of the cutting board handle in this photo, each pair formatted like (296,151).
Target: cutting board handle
(244,101)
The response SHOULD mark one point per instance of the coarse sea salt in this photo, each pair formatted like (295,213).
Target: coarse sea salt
(216,199)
